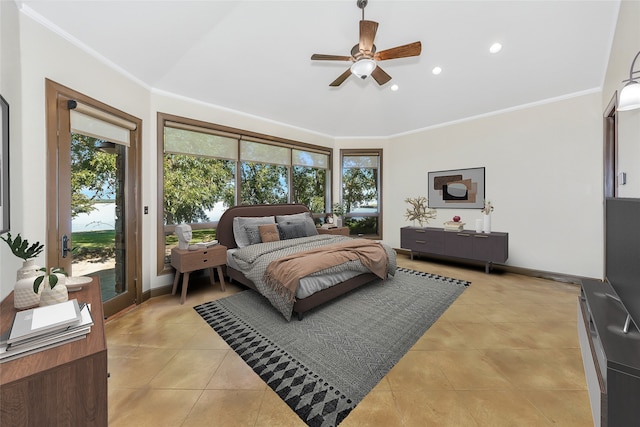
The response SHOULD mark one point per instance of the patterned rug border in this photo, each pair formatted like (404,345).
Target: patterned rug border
(311,397)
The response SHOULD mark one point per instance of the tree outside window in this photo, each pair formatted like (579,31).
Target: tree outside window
(361,192)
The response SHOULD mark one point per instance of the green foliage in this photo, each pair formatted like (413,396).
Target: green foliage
(263,183)
(338,209)
(309,187)
(359,187)
(52,277)
(20,247)
(92,172)
(193,185)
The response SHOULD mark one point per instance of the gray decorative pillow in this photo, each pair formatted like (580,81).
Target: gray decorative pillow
(292,231)
(301,218)
(253,234)
(239,231)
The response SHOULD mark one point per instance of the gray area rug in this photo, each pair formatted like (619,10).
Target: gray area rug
(324,365)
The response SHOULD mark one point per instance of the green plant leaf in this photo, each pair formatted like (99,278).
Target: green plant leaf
(37,283)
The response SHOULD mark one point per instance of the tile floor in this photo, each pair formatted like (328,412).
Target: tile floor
(505,353)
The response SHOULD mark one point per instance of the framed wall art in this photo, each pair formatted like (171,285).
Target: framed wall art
(4,166)
(456,189)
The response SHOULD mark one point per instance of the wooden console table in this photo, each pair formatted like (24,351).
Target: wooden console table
(186,261)
(488,248)
(61,386)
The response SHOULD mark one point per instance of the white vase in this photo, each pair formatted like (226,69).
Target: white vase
(53,295)
(479,225)
(487,224)
(23,295)
(29,269)
(338,221)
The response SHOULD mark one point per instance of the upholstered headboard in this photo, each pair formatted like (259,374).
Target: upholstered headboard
(224,233)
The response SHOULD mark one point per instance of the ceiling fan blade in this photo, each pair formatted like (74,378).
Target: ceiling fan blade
(380,76)
(411,49)
(367,35)
(341,79)
(321,57)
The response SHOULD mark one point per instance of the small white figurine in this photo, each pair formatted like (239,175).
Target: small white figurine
(183,231)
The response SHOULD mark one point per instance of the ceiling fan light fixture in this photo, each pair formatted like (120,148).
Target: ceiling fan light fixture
(363,68)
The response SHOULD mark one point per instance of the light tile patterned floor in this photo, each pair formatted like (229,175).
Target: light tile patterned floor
(506,353)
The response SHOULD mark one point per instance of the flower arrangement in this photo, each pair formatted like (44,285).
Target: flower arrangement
(488,207)
(20,247)
(419,210)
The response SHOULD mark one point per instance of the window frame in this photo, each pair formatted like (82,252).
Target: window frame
(348,152)
(242,135)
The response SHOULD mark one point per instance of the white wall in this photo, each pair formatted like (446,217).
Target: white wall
(626,45)
(543,168)
(10,82)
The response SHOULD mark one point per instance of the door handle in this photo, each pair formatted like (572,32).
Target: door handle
(65,246)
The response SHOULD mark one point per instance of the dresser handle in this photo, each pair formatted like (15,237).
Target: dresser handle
(205,252)
(420,241)
(420,231)
(205,260)
(481,236)
(463,235)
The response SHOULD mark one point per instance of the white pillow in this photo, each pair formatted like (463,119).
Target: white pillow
(241,222)
(304,217)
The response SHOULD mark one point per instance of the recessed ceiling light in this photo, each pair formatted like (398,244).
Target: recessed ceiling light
(436,70)
(394,88)
(495,48)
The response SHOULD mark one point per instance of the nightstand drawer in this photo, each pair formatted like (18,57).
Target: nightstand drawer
(338,231)
(195,260)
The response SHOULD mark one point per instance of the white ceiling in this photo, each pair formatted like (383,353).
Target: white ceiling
(254,56)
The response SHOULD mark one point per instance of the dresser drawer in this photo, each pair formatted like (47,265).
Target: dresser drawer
(422,239)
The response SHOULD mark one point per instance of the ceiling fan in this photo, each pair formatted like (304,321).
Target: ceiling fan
(364,54)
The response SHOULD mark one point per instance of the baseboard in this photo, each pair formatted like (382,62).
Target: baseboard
(549,275)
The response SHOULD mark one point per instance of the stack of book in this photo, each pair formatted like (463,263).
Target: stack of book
(453,226)
(42,328)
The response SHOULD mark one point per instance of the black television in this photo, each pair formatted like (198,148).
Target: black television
(622,254)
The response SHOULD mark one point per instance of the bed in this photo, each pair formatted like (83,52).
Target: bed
(348,276)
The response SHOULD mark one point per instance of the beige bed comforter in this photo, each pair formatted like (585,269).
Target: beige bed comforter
(283,275)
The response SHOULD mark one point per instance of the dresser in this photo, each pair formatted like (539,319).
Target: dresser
(61,386)
(488,248)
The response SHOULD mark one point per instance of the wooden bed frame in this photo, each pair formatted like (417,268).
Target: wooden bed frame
(225,236)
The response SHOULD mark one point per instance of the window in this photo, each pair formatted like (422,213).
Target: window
(203,169)
(361,191)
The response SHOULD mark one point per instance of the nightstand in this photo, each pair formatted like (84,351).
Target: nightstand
(338,231)
(186,261)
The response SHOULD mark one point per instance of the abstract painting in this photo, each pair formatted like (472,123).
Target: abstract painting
(458,188)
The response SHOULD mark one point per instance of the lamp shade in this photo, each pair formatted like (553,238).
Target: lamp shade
(363,67)
(629,96)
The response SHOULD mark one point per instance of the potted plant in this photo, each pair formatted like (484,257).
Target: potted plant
(21,248)
(53,286)
(486,210)
(338,210)
(23,295)
(419,210)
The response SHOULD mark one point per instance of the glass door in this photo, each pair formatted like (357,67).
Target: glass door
(98,203)
(93,175)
